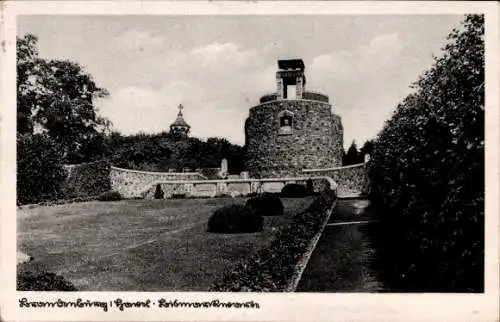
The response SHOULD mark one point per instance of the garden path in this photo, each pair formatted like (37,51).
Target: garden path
(342,258)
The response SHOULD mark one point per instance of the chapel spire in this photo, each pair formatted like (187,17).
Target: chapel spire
(180,126)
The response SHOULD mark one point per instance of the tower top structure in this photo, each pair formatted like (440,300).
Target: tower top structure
(180,126)
(290,79)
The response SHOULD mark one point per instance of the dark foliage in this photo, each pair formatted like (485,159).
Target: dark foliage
(266,204)
(162,152)
(87,180)
(352,155)
(235,219)
(367,148)
(272,269)
(159,194)
(110,196)
(40,174)
(28,280)
(427,174)
(294,190)
(355,155)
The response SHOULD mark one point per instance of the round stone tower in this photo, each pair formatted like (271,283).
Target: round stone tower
(292,129)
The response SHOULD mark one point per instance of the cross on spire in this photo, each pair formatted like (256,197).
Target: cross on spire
(181,107)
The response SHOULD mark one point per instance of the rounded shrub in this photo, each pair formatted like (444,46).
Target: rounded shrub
(110,196)
(232,219)
(294,190)
(266,204)
(159,194)
(28,280)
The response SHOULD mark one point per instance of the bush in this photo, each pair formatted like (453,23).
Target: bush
(41,281)
(427,175)
(235,219)
(273,268)
(294,190)
(87,179)
(40,173)
(110,196)
(266,205)
(159,194)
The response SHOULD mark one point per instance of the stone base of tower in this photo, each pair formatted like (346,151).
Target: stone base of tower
(311,138)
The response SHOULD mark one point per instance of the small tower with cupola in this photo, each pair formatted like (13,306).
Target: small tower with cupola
(179,128)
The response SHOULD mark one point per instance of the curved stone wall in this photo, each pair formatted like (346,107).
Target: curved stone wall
(351,180)
(268,98)
(133,183)
(315,96)
(314,140)
(236,187)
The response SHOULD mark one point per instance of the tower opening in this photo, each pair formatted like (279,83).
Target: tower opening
(291,92)
(290,79)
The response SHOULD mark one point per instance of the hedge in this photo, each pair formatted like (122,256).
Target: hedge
(266,204)
(110,196)
(87,179)
(427,175)
(295,190)
(235,218)
(40,173)
(272,269)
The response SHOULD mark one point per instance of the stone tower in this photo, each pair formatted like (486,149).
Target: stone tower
(292,129)
(180,128)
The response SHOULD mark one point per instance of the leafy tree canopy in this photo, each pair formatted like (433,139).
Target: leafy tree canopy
(56,97)
(162,152)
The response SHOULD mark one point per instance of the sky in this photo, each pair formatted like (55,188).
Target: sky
(218,67)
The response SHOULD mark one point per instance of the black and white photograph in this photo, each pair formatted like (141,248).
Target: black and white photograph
(250,155)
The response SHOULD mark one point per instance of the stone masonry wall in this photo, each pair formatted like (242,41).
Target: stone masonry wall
(315,140)
(132,183)
(351,180)
(239,187)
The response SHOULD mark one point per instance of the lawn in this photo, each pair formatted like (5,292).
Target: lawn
(140,245)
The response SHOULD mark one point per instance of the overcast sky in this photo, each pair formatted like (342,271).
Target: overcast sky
(219,66)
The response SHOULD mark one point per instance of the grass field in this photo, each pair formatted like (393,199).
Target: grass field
(140,245)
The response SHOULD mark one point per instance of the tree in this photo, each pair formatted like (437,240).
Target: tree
(161,152)
(352,155)
(57,97)
(367,148)
(27,86)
